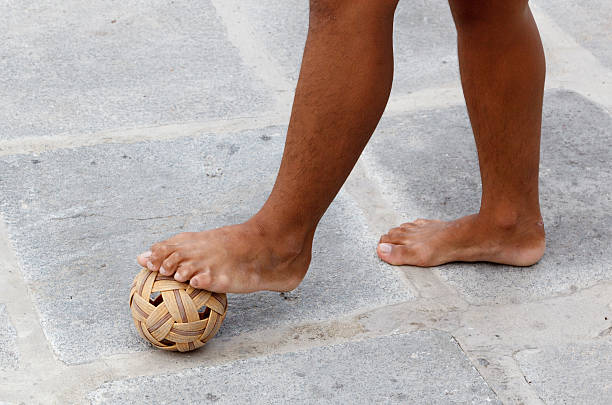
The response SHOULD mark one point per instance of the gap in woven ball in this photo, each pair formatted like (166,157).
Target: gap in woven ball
(156,298)
(204,312)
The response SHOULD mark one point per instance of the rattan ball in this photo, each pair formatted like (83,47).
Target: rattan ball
(173,315)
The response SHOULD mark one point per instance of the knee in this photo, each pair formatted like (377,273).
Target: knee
(474,13)
(331,10)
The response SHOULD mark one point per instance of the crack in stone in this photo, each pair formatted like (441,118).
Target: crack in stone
(475,368)
(148,218)
(79,215)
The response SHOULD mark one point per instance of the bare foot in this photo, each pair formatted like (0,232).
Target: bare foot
(428,243)
(235,259)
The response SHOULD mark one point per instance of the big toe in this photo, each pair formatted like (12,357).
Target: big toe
(143,258)
(390,253)
(398,255)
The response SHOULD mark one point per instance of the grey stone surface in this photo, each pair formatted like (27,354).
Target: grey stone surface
(9,358)
(424,39)
(74,67)
(424,45)
(588,22)
(411,368)
(280,28)
(579,373)
(432,171)
(79,217)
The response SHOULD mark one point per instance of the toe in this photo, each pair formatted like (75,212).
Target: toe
(207,281)
(159,252)
(202,280)
(395,237)
(169,266)
(391,253)
(143,258)
(185,271)
(395,230)
(422,221)
(402,254)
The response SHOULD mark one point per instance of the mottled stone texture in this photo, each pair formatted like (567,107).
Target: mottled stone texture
(9,358)
(579,373)
(413,368)
(587,21)
(79,67)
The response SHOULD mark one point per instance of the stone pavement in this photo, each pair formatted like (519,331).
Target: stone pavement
(125,123)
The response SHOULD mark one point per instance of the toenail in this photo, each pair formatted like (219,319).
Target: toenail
(150,265)
(162,270)
(384,247)
(145,254)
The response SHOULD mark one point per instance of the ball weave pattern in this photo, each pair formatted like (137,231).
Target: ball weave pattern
(180,318)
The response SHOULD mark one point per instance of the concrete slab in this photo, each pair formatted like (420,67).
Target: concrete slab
(432,171)
(407,368)
(9,358)
(588,22)
(576,373)
(424,39)
(280,28)
(425,46)
(73,67)
(79,217)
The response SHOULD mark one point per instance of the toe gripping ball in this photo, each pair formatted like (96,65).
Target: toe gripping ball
(172,315)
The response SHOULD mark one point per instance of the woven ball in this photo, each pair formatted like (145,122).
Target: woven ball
(172,315)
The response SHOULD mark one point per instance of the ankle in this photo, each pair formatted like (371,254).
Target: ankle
(510,220)
(289,241)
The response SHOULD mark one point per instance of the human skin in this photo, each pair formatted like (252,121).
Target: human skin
(344,84)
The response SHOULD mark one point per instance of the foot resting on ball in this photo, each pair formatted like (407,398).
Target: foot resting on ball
(239,258)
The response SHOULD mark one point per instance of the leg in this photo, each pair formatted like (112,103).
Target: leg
(344,84)
(502,72)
